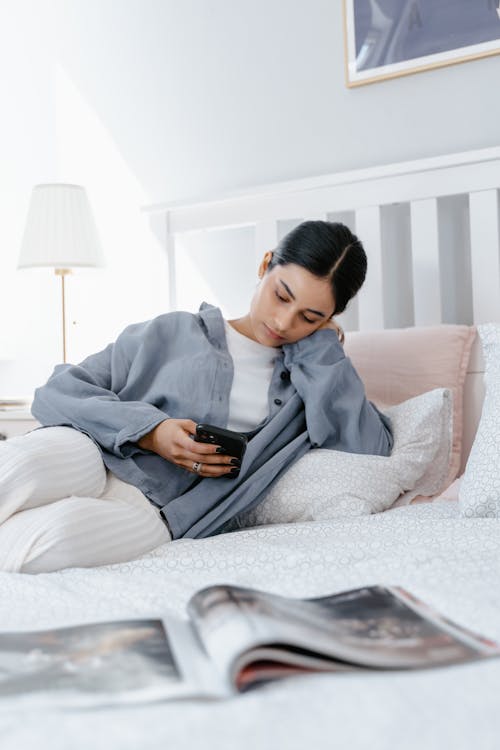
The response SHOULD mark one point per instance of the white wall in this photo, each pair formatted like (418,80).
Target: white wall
(27,156)
(147,101)
(52,132)
(203,96)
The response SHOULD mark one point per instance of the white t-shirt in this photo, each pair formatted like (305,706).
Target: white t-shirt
(253,369)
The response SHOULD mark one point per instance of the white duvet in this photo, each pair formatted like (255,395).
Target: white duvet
(451,562)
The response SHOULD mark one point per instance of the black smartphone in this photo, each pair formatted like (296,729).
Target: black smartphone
(234,443)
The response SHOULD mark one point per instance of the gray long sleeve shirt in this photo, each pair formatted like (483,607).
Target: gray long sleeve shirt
(178,365)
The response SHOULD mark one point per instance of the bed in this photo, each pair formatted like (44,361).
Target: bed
(423,542)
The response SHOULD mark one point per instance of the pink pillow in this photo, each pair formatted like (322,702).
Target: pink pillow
(398,363)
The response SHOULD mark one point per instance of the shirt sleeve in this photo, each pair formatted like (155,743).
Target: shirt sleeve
(85,397)
(338,414)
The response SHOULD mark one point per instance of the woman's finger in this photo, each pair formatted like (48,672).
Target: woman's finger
(209,458)
(208,470)
(202,452)
(214,459)
(202,449)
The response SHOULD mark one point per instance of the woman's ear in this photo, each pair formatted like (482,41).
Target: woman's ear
(264,264)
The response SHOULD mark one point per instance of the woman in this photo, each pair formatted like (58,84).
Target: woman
(115,472)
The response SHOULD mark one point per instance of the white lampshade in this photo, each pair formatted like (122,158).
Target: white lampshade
(60,230)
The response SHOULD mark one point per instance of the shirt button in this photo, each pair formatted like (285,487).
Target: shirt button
(284,375)
(278,401)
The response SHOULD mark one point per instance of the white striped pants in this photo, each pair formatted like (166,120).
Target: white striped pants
(61,508)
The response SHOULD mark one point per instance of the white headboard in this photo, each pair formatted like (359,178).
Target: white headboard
(430,229)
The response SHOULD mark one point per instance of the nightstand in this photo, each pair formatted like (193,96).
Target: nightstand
(16,422)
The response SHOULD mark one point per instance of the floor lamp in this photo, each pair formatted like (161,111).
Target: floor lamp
(60,233)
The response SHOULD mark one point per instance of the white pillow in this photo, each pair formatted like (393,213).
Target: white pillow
(325,484)
(479,494)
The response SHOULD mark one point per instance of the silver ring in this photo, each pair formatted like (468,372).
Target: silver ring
(197,467)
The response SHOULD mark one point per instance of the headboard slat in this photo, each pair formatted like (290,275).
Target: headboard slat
(425,257)
(371,302)
(485,254)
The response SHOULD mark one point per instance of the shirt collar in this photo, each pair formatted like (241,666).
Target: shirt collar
(213,322)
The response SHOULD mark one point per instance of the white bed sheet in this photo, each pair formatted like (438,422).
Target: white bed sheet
(451,562)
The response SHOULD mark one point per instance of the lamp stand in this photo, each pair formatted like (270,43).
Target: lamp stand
(62,272)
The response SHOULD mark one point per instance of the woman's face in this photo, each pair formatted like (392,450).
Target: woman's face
(289,304)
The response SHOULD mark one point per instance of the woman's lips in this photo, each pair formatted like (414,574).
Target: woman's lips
(272,334)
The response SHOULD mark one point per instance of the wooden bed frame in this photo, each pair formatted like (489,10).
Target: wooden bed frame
(430,228)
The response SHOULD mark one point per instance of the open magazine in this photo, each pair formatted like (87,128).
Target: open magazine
(235,639)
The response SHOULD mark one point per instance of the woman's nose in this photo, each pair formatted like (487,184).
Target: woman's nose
(282,322)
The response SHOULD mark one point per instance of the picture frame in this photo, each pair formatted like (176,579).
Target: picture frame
(385,39)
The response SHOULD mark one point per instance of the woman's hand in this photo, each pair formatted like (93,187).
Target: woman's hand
(173,440)
(330,323)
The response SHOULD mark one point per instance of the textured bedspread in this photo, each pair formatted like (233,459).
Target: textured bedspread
(452,563)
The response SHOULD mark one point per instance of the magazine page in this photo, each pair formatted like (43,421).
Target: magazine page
(375,627)
(126,661)
(226,625)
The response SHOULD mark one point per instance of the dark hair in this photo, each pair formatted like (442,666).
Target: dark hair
(328,249)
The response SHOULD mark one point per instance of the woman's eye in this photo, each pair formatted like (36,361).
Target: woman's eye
(285,299)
